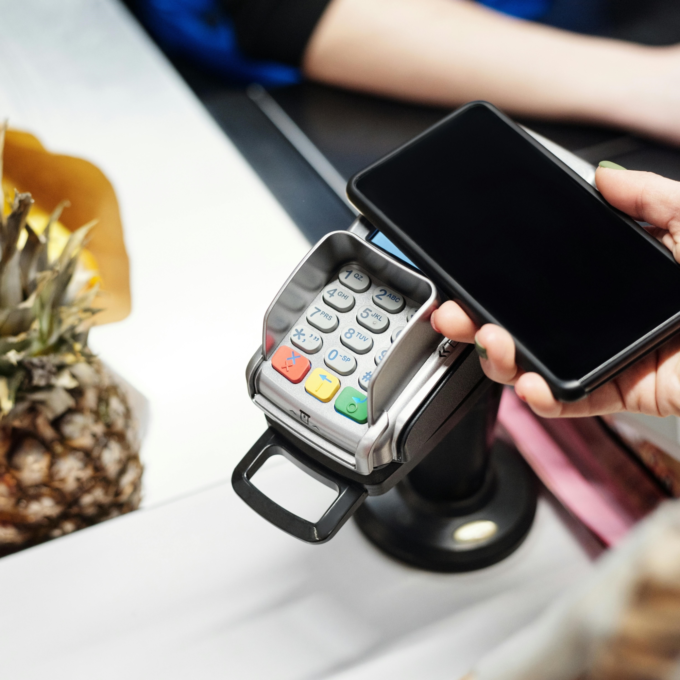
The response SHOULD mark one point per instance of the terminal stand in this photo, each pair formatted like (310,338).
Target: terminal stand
(458,500)
(467,505)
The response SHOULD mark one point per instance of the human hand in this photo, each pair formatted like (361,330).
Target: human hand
(652,384)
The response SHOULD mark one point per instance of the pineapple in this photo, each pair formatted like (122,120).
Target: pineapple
(69,452)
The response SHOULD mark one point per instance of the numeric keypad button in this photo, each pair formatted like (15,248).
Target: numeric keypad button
(291,365)
(322,319)
(322,385)
(352,403)
(306,339)
(357,340)
(388,300)
(396,333)
(373,319)
(380,355)
(364,379)
(338,298)
(340,361)
(354,279)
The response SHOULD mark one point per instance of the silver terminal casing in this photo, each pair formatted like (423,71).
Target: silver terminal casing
(410,363)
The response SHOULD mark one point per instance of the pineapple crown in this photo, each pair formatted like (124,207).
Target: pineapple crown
(41,314)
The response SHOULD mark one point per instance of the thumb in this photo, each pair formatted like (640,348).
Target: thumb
(646,197)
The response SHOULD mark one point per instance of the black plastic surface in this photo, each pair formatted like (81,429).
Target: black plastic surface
(456,468)
(350,495)
(445,406)
(419,532)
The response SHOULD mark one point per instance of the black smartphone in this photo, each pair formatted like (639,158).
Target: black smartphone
(520,240)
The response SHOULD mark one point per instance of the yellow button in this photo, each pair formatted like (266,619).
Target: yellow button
(322,385)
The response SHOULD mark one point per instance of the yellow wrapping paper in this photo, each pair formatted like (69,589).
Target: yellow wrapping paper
(51,178)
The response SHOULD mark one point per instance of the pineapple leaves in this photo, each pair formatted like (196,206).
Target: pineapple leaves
(12,350)
(29,260)
(56,318)
(17,321)
(44,316)
(11,292)
(14,224)
(74,244)
(43,260)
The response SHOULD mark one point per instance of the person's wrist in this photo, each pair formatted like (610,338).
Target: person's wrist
(634,92)
(620,74)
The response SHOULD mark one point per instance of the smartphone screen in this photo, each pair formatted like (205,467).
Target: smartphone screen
(543,256)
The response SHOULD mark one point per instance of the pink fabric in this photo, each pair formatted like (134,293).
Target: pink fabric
(602,516)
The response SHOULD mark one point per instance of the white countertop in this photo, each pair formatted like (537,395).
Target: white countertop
(209,246)
(196,585)
(204,588)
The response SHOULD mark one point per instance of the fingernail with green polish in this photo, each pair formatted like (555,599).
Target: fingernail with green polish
(481,350)
(611,165)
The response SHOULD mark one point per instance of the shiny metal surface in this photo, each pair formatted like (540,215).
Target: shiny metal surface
(251,370)
(408,353)
(306,434)
(361,228)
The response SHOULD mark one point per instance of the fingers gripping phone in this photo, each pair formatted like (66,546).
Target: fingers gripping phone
(523,241)
(355,385)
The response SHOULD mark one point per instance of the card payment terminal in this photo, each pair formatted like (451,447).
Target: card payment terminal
(357,388)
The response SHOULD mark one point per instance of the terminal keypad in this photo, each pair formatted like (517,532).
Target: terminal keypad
(373,319)
(357,339)
(396,333)
(355,279)
(364,379)
(355,320)
(380,355)
(341,361)
(322,319)
(290,364)
(389,300)
(338,297)
(306,338)
(322,384)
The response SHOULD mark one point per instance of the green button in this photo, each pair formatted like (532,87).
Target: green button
(353,404)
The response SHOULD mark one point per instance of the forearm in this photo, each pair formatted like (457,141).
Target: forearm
(448,52)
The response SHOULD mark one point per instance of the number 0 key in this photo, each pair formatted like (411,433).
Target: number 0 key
(340,361)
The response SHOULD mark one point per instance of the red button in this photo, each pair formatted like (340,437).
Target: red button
(290,364)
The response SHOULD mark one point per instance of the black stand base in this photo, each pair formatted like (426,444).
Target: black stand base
(463,536)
